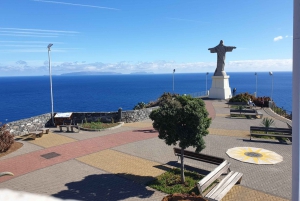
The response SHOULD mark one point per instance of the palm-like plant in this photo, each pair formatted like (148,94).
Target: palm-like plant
(240,108)
(267,122)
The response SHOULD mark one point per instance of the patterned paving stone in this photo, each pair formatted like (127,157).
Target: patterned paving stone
(75,180)
(138,124)
(222,115)
(51,140)
(26,148)
(238,133)
(246,194)
(135,168)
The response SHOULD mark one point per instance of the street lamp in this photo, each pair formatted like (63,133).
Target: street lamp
(50,75)
(256,85)
(173,79)
(270,73)
(206,83)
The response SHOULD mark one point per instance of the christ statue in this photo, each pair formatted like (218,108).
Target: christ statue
(221,51)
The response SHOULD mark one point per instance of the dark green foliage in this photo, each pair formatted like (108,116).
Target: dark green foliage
(158,102)
(139,106)
(267,122)
(244,97)
(6,139)
(183,120)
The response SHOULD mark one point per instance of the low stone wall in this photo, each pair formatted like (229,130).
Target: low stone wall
(19,127)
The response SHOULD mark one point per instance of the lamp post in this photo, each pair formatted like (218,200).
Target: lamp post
(256,85)
(206,83)
(50,75)
(270,73)
(173,79)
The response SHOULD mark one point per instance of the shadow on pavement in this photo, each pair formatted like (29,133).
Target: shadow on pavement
(189,168)
(106,187)
(146,131)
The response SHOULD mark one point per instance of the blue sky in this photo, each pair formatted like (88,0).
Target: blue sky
(128,36)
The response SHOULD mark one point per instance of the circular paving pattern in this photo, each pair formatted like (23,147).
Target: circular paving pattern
(254,155)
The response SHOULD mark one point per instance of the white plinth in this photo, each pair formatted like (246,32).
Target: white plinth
(220,87)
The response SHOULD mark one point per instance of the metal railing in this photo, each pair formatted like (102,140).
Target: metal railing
(199,94)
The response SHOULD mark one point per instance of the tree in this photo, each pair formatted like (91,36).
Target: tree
(183,120)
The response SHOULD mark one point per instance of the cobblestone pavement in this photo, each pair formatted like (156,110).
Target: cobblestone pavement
(116,164)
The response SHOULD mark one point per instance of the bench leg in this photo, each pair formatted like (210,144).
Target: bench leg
(33,136)
(60,129)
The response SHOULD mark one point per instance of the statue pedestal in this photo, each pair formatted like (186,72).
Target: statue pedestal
(220,88)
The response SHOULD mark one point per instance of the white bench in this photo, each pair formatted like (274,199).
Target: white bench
(223,187)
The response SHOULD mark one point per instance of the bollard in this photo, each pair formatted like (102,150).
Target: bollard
(120,114)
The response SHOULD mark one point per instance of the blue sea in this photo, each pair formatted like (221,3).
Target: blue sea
(24,97)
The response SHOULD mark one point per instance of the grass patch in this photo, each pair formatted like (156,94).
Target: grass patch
(99,125)
(170,182)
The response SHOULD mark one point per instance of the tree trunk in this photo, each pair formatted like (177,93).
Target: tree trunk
(182,166)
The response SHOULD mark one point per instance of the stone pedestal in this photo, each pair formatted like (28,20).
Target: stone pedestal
(220,88)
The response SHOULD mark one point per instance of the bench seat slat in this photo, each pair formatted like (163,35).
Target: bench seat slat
(224,186)
(271,135)
(212,176)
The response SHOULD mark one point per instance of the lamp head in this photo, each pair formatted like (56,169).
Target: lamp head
(255,73)
(270,73)
(207,73)
(49,46)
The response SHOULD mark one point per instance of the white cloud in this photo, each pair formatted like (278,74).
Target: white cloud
(72,4)
(278,38)
(35,32)
(40,67)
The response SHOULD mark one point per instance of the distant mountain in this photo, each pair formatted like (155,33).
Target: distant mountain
(89,73)
(142,73)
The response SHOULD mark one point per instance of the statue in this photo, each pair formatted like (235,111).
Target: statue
(221,51)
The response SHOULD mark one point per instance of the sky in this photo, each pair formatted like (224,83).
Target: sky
(131,36)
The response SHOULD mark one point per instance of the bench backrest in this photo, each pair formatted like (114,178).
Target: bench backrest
(212,176)
(271,129)
(198,156)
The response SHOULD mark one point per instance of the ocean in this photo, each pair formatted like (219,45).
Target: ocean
(25,97)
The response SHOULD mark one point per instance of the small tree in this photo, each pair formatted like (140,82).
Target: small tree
(182,120)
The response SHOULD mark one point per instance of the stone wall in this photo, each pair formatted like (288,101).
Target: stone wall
(19,127)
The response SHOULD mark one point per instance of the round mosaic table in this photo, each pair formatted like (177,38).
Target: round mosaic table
(254,155)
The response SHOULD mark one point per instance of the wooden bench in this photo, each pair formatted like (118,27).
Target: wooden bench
(42,128)
(276,132)
(199,157)
(66,124)
(245,112)
(33,132)
(224,186)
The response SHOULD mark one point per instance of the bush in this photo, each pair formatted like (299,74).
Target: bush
(244,97)
(139,106)
(6,139)
(159,102)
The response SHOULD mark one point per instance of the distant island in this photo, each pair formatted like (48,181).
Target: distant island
(142,72)
(89,73)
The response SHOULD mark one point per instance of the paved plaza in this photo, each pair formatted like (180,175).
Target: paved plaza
(116,164)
